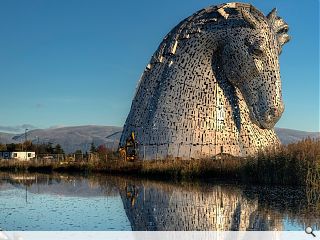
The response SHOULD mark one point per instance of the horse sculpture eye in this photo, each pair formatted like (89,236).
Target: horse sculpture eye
(257,52)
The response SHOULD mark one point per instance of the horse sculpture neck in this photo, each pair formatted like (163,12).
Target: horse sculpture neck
(187,104)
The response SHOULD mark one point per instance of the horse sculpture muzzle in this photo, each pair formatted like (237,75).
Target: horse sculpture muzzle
(271,117)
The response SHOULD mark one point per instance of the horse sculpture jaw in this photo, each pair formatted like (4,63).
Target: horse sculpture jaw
(268,119)
(264,109)
(265,119)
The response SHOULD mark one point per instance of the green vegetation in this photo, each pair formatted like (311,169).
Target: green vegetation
(295,164)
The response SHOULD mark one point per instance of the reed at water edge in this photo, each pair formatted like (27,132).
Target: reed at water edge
(295,164)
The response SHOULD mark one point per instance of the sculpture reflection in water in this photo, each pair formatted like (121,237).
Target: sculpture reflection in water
(218,208)
(154,205)
(173,207)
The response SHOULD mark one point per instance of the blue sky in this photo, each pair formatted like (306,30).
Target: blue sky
(77,62)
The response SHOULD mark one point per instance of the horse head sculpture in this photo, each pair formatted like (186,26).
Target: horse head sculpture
(250,61)
(213,86)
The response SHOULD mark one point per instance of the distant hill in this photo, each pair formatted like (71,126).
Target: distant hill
(287,136)
(70,138)
(6,137)
(81,137)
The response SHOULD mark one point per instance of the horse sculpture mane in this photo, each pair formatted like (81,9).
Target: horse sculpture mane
(213,86)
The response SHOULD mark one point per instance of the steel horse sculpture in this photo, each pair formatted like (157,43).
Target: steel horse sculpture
(213,86)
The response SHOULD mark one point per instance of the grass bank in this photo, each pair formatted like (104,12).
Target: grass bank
(294,164)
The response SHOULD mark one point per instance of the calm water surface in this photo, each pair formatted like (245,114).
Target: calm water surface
(62,202)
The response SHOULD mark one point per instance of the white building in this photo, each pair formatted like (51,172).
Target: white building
(22,156)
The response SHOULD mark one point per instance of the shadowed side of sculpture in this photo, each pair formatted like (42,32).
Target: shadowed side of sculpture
(213,86)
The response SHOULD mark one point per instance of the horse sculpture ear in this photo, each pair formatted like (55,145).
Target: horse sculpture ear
(280,28)
(249,18)
(272,16)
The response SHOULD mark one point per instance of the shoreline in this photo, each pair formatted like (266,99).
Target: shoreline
(211,170)
(296,164)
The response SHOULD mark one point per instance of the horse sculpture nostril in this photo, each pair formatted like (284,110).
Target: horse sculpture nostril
(270,115)
(269,118)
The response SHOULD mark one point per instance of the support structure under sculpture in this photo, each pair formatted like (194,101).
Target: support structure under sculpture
(213,86)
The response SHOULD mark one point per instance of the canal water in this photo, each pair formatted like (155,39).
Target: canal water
(63,202)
